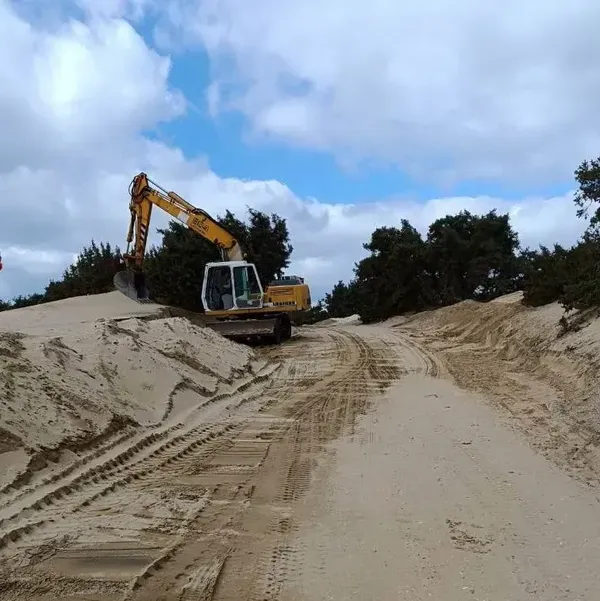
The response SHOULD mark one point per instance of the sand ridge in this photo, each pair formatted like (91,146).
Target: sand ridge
(76,371)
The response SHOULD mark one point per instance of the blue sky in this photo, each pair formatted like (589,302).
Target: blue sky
(233,152)
(473,107)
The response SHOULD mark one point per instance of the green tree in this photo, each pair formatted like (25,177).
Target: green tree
(343,300)
(570,276)
(545,275)
(91,273)
(473,257)
(587,197)
(395,278)
(465,256)
(265,240)
(576,272)
(175,270)
(581,274)
(27,301)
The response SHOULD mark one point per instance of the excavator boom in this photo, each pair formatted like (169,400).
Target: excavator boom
(144,194)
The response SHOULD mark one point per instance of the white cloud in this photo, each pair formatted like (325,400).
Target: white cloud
(35,261)
(327,238)
(71,96)
(74,100)
(503,90)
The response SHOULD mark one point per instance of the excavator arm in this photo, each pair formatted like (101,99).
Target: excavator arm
(144,195)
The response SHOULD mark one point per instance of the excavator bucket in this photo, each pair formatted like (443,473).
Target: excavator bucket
(132,284)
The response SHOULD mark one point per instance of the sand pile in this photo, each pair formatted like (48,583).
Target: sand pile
(75,372)
(351,320)
(507,330)
(547,377)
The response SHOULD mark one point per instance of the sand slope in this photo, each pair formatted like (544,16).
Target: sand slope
(59,317)
(547,379)
(76,371)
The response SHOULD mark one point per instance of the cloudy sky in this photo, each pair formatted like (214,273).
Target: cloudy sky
(340,116)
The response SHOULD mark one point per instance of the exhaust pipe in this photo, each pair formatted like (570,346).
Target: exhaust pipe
(132,283)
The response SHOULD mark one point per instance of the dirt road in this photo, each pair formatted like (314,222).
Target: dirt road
(347,467)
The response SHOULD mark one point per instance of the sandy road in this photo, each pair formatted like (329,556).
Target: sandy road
(345,469)
(155,515)
(435,498)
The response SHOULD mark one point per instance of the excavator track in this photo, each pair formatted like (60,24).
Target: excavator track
(273,329)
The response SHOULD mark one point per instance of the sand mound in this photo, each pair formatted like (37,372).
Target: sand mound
(77,371)
(504,327)
(351,320)
(509,299)
(546,377)
(58,317)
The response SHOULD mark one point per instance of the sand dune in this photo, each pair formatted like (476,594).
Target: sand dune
(79,370)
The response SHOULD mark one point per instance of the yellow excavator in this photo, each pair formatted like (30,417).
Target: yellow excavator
(232,294)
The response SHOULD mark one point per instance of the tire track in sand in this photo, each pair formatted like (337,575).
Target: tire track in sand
(317,415)
(206,513)
(45,504)
(195,566)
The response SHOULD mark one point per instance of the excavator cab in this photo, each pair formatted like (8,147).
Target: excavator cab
(230,286)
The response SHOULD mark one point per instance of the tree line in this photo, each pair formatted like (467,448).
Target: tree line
(462,256)
(477,257)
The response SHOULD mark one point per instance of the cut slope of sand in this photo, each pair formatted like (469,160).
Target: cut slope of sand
(549,380)
(75,372)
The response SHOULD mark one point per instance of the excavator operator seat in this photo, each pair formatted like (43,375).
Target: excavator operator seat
(231,285)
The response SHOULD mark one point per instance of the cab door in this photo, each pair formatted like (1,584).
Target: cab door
(248,293)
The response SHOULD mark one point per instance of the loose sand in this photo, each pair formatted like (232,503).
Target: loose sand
(434,498)
(351,320)
(144,458)
(546,378)
(76,371)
